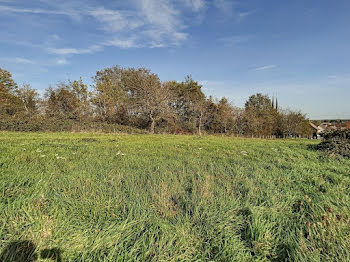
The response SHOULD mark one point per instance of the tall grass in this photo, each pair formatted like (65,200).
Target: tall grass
(98,197)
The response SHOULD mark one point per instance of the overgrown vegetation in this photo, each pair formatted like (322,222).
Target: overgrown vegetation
(138,99)
(336,142)
(99,197)
(40,124)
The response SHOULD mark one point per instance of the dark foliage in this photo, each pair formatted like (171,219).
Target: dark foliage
(61,125)
(336,142)
(19,251)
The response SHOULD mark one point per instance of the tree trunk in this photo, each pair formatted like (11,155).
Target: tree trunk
(200,124)
(152,123)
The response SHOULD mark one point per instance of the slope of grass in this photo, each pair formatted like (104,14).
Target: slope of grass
(98,197)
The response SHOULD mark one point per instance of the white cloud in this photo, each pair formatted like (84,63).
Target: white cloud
(195,5)
(149,23)
(140,23)
(10,9)
(265,67)
(62,61)
(163,19)
(242,15)
(74,51)
(115,20)
(21,60)
(230,9)
(123,43)
(225,6)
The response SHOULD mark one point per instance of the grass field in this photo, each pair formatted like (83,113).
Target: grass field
(99,197)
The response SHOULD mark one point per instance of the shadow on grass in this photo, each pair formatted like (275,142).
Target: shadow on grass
(53,253)
(313,147)
(26,251)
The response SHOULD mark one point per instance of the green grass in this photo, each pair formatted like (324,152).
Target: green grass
(99,197)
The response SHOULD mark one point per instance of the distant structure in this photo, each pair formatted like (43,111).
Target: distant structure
(316,130)
(328,126)
(274,104)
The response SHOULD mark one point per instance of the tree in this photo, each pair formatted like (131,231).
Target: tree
(61,102)
(110,97)
(150,99)
(240,123)
(225,115)
(29,98)
(211,122)
(6,82)
(80,90)
(188,102)
(9,103)
(260,115)
(295,123)
(131,96)
(219,115)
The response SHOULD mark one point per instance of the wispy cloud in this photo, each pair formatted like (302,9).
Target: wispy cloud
(20,60)
(142,23)
(265,67)
(163,20)
(115,20)
(123,43)
(243,15)
(195,5)
(10,9)
(61,61)
(231,41)
(229,8)
(225,6)
(74,51)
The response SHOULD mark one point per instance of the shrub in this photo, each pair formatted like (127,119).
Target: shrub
(40,124)
(336,143)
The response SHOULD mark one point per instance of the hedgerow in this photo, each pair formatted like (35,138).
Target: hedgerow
(336,143)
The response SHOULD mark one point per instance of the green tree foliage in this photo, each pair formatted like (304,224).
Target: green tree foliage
(220,116)
(225,115)
(109,97)
(80,90)
(6,82)
(9,102)
(188,102)
(136,97)
(29,98)
(68,101)
(131,96)
(294,123)
(260,115)
(148,97)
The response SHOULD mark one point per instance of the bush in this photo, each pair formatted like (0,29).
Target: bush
(336,143)
(40,124)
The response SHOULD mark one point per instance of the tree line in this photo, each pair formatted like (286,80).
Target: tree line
(135,97)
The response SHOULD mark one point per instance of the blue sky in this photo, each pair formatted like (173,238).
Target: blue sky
(297,50)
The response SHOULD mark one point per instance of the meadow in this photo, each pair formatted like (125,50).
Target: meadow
(103,197)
